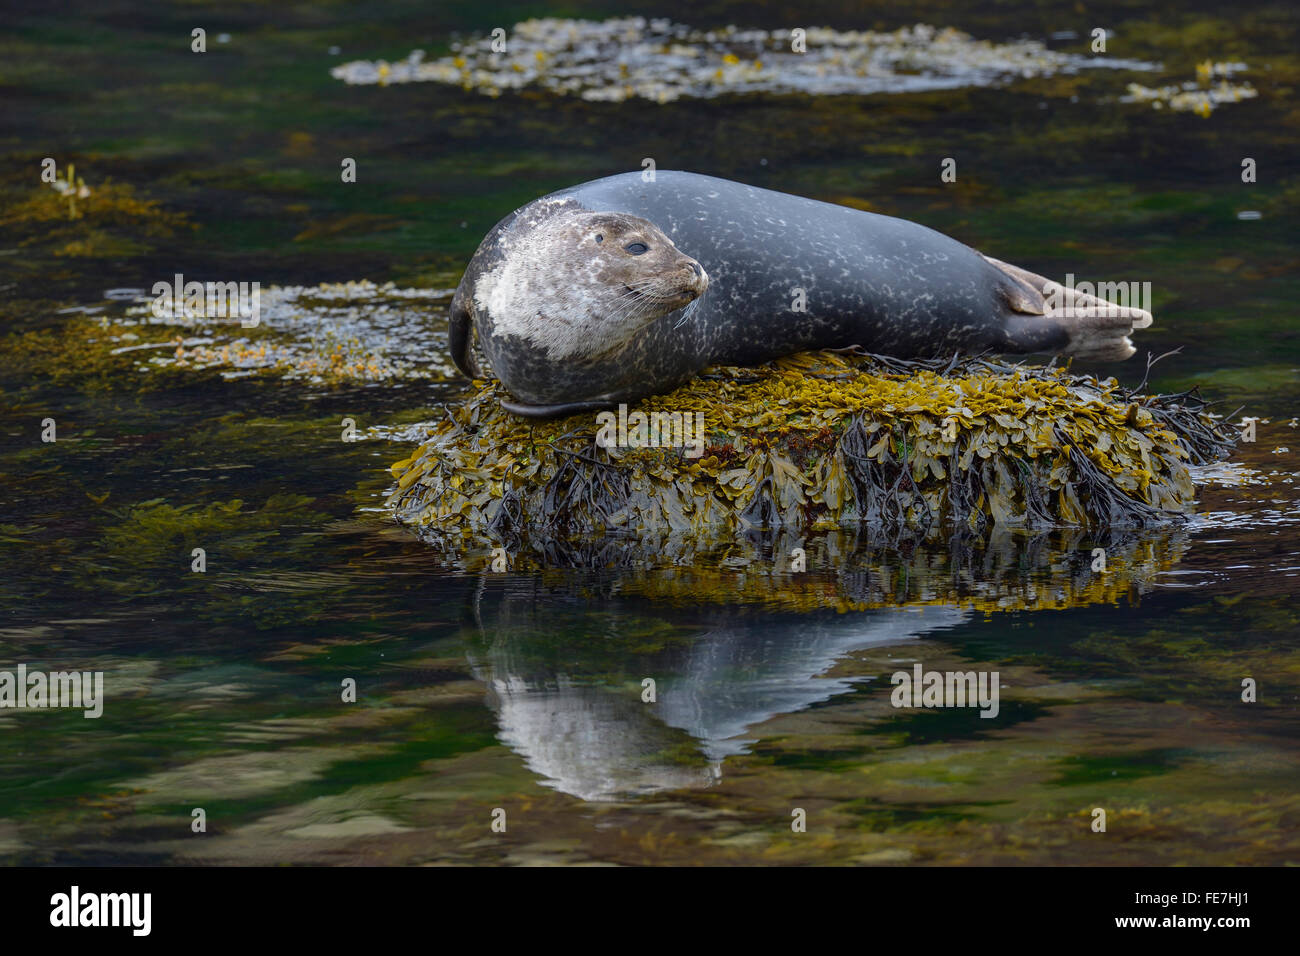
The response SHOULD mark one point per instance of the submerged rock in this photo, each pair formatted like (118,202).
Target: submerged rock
(814,442)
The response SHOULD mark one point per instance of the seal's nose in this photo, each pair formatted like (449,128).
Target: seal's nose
(701,277)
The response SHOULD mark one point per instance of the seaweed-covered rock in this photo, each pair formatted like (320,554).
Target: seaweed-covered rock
(816,441)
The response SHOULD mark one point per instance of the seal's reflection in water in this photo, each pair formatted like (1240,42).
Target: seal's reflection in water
(601,741)
(564,658)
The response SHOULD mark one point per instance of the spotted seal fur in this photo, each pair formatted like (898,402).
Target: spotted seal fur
(621,288)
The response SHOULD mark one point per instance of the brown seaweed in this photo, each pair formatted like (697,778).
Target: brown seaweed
(818,441)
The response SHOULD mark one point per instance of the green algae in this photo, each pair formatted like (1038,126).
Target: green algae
(1093,768)
(155,532)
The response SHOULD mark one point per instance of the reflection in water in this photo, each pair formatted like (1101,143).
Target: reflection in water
(740,675)
(600,741)
(565,658)
(733,640)
(856,569)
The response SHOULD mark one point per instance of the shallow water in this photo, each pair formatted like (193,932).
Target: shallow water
(523,691)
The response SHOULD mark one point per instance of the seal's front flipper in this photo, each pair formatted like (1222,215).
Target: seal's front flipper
(460,331)
(557,411)
(1051,317)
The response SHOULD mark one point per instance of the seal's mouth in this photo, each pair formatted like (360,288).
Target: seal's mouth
(676,299)
(692,285)
(650,299)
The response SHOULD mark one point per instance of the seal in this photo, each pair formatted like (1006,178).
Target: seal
(619,288)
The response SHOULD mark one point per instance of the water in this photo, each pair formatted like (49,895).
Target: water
(524,691)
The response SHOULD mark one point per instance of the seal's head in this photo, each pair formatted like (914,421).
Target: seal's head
(579,284)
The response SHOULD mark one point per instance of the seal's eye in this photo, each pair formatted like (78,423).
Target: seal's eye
(599,237)
(637,248)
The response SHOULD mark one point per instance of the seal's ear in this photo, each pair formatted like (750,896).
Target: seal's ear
(460,326)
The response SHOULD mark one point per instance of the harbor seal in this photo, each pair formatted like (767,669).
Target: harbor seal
(619,288)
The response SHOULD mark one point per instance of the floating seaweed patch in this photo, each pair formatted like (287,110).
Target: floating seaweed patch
(332,333)
(819,441)
(661,61)
(1200,96)
(68,218)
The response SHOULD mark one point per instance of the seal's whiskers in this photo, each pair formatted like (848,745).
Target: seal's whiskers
(686,314)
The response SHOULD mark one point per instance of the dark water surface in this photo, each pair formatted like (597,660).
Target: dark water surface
(479,691)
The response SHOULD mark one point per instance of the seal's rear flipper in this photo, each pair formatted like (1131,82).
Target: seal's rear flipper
(1065,320)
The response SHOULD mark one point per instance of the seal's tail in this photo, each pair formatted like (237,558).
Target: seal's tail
(1094,328)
